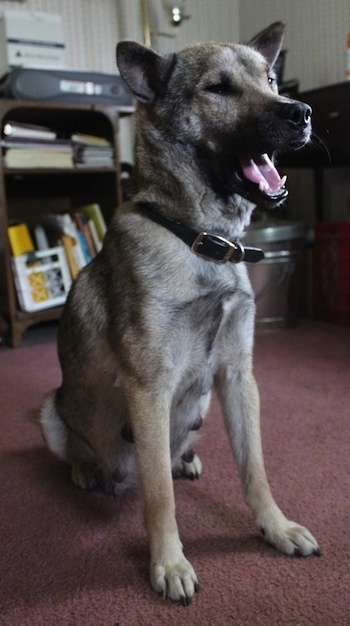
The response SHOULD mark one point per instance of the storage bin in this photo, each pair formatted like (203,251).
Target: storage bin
(42,279)
(331,273)
(279,280)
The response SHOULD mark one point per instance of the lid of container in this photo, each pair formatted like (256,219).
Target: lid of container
(264,232)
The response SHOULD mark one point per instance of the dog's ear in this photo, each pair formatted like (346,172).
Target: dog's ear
(145,71)
(269,42)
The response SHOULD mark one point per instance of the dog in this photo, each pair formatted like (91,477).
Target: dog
(165,312)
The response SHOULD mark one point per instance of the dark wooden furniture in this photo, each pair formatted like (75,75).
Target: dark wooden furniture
(330,145)
(25,194)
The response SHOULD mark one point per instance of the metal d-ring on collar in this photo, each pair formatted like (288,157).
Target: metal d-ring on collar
(208,246)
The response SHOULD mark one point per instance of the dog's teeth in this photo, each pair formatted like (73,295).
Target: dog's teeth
(264,186)
(283,181)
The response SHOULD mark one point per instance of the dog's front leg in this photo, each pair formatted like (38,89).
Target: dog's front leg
(239,398)
(171,574)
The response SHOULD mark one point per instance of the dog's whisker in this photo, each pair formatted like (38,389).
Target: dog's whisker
(317,142)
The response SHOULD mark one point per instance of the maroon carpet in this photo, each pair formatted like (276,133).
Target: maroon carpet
(72,559)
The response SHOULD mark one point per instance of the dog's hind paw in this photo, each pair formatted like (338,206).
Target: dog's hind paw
(176,581)
(189,466)
(85,476)
(292,539)
(192,468)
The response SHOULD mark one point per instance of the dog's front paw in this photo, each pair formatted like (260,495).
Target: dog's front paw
(177,581)
(291,538)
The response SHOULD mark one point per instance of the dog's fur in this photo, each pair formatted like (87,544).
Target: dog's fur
(149,326)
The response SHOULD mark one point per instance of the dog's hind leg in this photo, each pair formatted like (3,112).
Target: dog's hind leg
(69,447)
(54,431)
(239,398)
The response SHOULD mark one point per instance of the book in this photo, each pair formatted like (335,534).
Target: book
(69,244)
(90,140)
(94,235)
(32,158)
(84,246)
(58,224)
(93,211)
(26,143)
(93,156)
(33,131)
(85,236)
(20,239)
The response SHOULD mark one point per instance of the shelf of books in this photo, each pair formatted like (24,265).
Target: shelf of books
(45,261)
(59,187)
(31,146)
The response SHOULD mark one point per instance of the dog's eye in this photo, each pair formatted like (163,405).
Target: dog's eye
(272,81)
(222,89)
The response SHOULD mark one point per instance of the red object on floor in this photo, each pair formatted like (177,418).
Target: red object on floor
(332,272)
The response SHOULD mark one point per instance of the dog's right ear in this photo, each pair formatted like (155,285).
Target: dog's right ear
(145,71)
(269,42)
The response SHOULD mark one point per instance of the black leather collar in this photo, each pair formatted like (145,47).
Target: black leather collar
(205,245)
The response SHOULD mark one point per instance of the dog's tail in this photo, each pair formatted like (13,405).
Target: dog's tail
(53,428)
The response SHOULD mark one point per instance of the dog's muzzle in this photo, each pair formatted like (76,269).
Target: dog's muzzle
(256,176)
(296,114)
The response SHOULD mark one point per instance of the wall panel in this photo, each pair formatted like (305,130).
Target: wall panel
(316,35)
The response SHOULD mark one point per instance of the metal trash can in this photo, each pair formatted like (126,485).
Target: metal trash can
(279,280)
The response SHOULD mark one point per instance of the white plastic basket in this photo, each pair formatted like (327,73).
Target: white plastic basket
(42,279)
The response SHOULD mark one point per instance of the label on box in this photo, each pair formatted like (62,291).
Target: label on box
(33,39)
(31,54)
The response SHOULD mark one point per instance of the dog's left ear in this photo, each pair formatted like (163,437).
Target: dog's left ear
(145,71)
(269,42)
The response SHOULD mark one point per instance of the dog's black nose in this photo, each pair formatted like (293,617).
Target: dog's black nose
(296,113)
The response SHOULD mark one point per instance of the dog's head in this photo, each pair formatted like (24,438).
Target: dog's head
(221,102)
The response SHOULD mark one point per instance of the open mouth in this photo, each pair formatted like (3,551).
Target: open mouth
(259,180)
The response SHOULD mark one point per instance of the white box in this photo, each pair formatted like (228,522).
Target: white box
(31,39)
(42,279)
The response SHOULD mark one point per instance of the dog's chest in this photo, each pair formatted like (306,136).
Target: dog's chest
(205,338)
(210,319)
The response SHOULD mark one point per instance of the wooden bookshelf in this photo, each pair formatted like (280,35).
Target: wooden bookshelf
(26,194)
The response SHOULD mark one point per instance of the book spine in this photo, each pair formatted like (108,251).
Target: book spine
(88,245)
(94,212)
(94,235)
(20,239)
(69,244)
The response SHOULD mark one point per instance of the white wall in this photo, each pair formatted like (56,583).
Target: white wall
(209,21)
(316,35)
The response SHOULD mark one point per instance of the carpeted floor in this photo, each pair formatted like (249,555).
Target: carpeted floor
(72,559)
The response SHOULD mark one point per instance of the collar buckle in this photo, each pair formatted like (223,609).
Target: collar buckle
(217,249)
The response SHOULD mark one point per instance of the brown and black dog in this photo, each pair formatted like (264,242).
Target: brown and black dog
(166,311)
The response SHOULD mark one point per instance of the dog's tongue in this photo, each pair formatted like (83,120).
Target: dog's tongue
(260,170)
